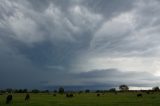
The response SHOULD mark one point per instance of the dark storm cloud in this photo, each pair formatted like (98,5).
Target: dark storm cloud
(49,40)
(108,77)
(119,77)
(49,32)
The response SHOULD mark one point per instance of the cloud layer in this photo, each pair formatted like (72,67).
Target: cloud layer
(79,42)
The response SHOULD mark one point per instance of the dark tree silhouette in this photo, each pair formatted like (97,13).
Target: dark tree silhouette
(35,91)
(87,91)
(61,90)
(25,90)
(156,88)
(9,90)
(55,91)
(112,89)
(123,88)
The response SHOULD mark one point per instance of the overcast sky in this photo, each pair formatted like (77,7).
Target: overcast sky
(79,42)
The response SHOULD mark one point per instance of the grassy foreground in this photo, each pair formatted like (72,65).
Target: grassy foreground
(90,99)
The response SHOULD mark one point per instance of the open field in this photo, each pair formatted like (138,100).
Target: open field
(90,99)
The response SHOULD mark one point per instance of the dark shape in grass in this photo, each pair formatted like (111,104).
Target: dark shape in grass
(139,95)
(148,92)
(115,93)
(98,94)
(54,95)
(69,95)
(9,99)
(27,98)
(80,92)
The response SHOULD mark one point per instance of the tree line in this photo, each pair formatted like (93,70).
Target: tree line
(61,90)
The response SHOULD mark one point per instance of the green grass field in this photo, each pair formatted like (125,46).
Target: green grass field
(90,99)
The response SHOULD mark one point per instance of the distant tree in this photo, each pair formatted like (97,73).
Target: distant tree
(16,91)
(9,90)
(80,92)
(156,88)
(112,89)
(2,91)
(123,88)
(20,91)
(45,91)
(87,91)
(61,90)
(98,91)
(25,91)
(35,91)
(55,91)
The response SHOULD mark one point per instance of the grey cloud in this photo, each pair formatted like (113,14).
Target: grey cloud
(46,38)
(107,77)
(16,71)
(47,33)
(114,76)
(109,8)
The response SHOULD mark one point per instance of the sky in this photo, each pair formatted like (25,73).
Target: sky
(47,43)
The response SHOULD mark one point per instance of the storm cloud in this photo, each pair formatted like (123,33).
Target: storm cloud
(79,42)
